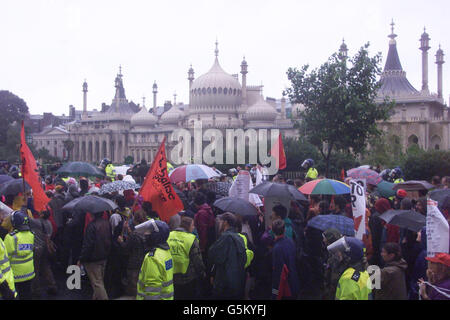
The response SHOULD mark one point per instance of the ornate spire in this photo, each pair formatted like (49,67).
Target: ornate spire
(392,35)
(216,52)
(143,101)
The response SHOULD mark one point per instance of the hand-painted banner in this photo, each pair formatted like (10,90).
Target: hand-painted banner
(358,197)
(437,230)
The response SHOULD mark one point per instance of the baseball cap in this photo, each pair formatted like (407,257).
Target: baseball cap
(442,258)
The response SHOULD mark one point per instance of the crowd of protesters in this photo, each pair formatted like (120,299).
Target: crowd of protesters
(230,256)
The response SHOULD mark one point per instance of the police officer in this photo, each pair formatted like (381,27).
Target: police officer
(156,275)
(188,267)
(312,173)
(7,288)
(19,245)
(354,282)
(107,165)
(397,175)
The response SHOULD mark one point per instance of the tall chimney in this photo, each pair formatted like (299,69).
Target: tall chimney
(439,61)
(425,46)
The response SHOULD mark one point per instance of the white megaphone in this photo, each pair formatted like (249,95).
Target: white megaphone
(5,211)
(339,245)
(147,227)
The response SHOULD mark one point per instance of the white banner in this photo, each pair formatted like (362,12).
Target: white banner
(358,197)
(241,187)
(362,182)
(437,230)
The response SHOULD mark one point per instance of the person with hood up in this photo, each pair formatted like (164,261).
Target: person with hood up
(72,193)
(205,223)
(393,277)
(156,276)
(226,260)
(353,283)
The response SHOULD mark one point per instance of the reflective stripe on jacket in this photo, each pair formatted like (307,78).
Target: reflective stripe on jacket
(312,173)
(156,276)
(248,252)
(20,246)
(6,273)
(180,244)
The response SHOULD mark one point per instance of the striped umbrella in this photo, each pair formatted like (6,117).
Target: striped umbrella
(190,172)
(371,176)
(324,186)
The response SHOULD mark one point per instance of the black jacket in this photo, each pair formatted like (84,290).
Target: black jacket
(97,241)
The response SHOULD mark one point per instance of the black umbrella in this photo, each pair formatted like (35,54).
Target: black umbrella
(79,169)
(413,185)
(5,178)
(236,205)
(91,204)
(13,187)
(278,190)
(442,196)
(408,219)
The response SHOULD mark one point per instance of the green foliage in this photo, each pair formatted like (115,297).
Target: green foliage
(340,110)
(9,150)
(423,165)
(45,157)
(385,151)
(13,109)
(296,151)
(129,160)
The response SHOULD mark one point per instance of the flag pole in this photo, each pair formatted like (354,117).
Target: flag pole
(21,164)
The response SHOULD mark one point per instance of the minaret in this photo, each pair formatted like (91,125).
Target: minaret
(155,91)
(85,90)
(343,50)
(244,81)
(174,98)
(424,46)
(439,61)
(191,81)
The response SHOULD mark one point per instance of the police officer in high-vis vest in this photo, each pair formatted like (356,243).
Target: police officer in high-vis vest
(354,281)
(312,173)
(397,175)
(20,245)
(156,276)
(7,287)
(188,267)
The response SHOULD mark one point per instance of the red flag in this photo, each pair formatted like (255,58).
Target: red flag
(277,152)
(342,175)
(158,189)
(30,174)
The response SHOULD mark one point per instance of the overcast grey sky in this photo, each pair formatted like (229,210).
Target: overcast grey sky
(48,47)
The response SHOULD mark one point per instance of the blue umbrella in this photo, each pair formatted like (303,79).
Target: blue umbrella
(343,224)
(5,178)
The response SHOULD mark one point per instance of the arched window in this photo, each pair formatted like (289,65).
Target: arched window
(436,142)
(204,90)
(413,139)
(225,91)
(209,90)
(214,90)
(220,90)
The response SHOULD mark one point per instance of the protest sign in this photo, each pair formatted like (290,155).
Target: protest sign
(358,208)
(437,230)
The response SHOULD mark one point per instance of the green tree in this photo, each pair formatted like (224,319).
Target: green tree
(340,110)
(129,160)
(13,109)
(69,145)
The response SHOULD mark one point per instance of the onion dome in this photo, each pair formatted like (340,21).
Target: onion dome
(172,116)
(143,118)
(261,111)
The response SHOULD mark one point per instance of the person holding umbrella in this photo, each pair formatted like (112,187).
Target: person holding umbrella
(97,243)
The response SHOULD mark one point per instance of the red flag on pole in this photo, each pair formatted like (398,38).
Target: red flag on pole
(342,175)
(277,152)
(30,174)
(158,189)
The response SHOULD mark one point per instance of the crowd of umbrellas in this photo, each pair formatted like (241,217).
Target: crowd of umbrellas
(403,218)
